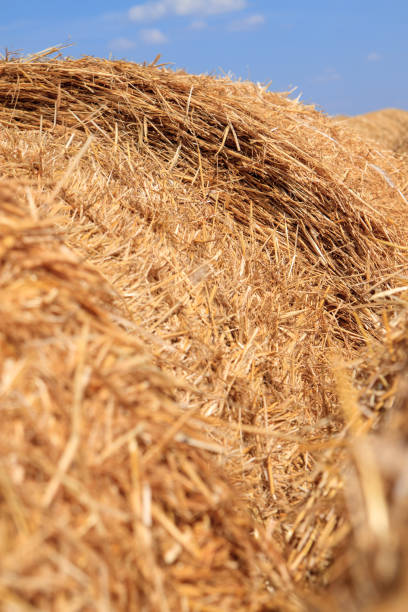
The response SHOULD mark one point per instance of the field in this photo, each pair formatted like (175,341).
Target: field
(203,331)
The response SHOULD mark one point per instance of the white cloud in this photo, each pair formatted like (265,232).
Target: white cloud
(206,7)
(153,36)
(248,23)
(156,9)
(121,44)
(148,12)
(373,56)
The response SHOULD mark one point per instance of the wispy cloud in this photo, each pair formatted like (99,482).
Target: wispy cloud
(148,12)
(198,24)
(153,36)
(121,44)
(373,56)
(329,74)
(156,9)
(248,23)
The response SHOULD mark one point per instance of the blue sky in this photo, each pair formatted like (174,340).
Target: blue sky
(344,56)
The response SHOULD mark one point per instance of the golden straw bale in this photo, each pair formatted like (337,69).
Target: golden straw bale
(244,248)
(373,575)
(388,127)
(243,146)
(110,496)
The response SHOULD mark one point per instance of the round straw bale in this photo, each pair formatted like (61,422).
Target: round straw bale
(387,127)
(235,259)
(110,495)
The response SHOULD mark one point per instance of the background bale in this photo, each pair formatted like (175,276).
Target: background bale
(388,127)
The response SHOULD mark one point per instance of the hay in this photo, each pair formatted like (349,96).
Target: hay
(89,472)
(375,571)
(234,252)
(387,127)
(239,143)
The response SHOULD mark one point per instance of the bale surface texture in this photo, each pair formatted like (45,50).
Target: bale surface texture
(203,330)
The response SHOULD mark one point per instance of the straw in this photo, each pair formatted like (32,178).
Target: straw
(202,323)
